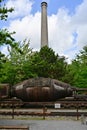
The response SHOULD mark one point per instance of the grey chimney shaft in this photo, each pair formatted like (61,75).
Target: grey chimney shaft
(44,25)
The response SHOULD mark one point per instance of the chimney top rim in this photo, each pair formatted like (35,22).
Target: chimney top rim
(44,3)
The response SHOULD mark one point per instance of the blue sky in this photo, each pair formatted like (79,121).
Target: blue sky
(54,5)
(67,24)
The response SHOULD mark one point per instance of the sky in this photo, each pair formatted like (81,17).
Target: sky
(67,24)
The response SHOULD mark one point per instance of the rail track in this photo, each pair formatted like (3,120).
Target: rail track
(68,104)
(51,112)
(66,108)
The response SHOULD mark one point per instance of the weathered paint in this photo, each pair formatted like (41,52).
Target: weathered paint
(42,89)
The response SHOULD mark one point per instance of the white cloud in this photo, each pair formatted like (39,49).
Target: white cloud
(60,31)
(61,27)
(79,21)
(28,27)
(21,7)
(80,16)
(82,36)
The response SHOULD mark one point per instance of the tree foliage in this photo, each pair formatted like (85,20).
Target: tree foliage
(46,64)
(77,71)
(5,36)
(4,10)
(21,66)
(13,67)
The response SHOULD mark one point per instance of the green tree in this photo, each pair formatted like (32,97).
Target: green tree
(47,64)
(77,71)
(81,60)
(5,36)
(14,67)
(4,10)
(6,39)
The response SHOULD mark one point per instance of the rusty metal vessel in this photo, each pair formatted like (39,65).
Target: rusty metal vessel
(41,90)
(4,91)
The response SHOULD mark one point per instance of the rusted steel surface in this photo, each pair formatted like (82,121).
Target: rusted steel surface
(16,127)
(10,103)
(49,112)
(41,89)
(75,106)
(64,104)
(4,91)
(81,89)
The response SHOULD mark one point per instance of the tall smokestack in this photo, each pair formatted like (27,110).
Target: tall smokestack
(44,25)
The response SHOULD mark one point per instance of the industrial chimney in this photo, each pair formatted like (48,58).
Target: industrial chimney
(44,26)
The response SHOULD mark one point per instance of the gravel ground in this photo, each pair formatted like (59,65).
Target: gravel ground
(47,124)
